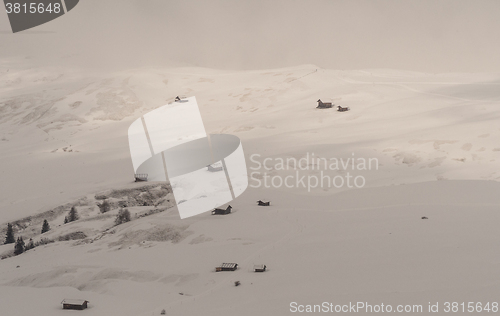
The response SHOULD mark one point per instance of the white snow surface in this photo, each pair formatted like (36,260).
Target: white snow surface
(63,136)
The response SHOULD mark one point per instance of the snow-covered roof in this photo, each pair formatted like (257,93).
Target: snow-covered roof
(217,164)
(73,301)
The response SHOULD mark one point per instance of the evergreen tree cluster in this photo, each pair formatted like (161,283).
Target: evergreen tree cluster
(72,216)
(19,245)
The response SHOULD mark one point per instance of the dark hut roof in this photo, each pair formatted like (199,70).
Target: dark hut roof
(229,265)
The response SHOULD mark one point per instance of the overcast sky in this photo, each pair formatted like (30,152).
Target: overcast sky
(422,35)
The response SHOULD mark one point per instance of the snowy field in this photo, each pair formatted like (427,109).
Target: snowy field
(63,142)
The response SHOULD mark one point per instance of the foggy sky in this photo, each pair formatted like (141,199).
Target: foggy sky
(422,35)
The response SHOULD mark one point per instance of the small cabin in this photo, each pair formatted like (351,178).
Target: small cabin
(180,98)
(215,167)
(259,268)
(262,203)
(324,105)
(342,109)
(140,177)
(74,304)
(221,211)
(227,267)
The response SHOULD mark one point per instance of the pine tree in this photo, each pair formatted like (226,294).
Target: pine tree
(19,247)
(73,215)
(122,217)
(66,220)
(45,226)
(9,238)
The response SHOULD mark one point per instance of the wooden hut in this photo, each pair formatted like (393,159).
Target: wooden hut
(262,203)
(227,267)
(322,105)
(180,98)
(221,211)
(74,304)
(139,177)
(342,109)
(259,268)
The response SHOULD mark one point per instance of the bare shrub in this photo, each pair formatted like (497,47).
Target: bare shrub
(122,217)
